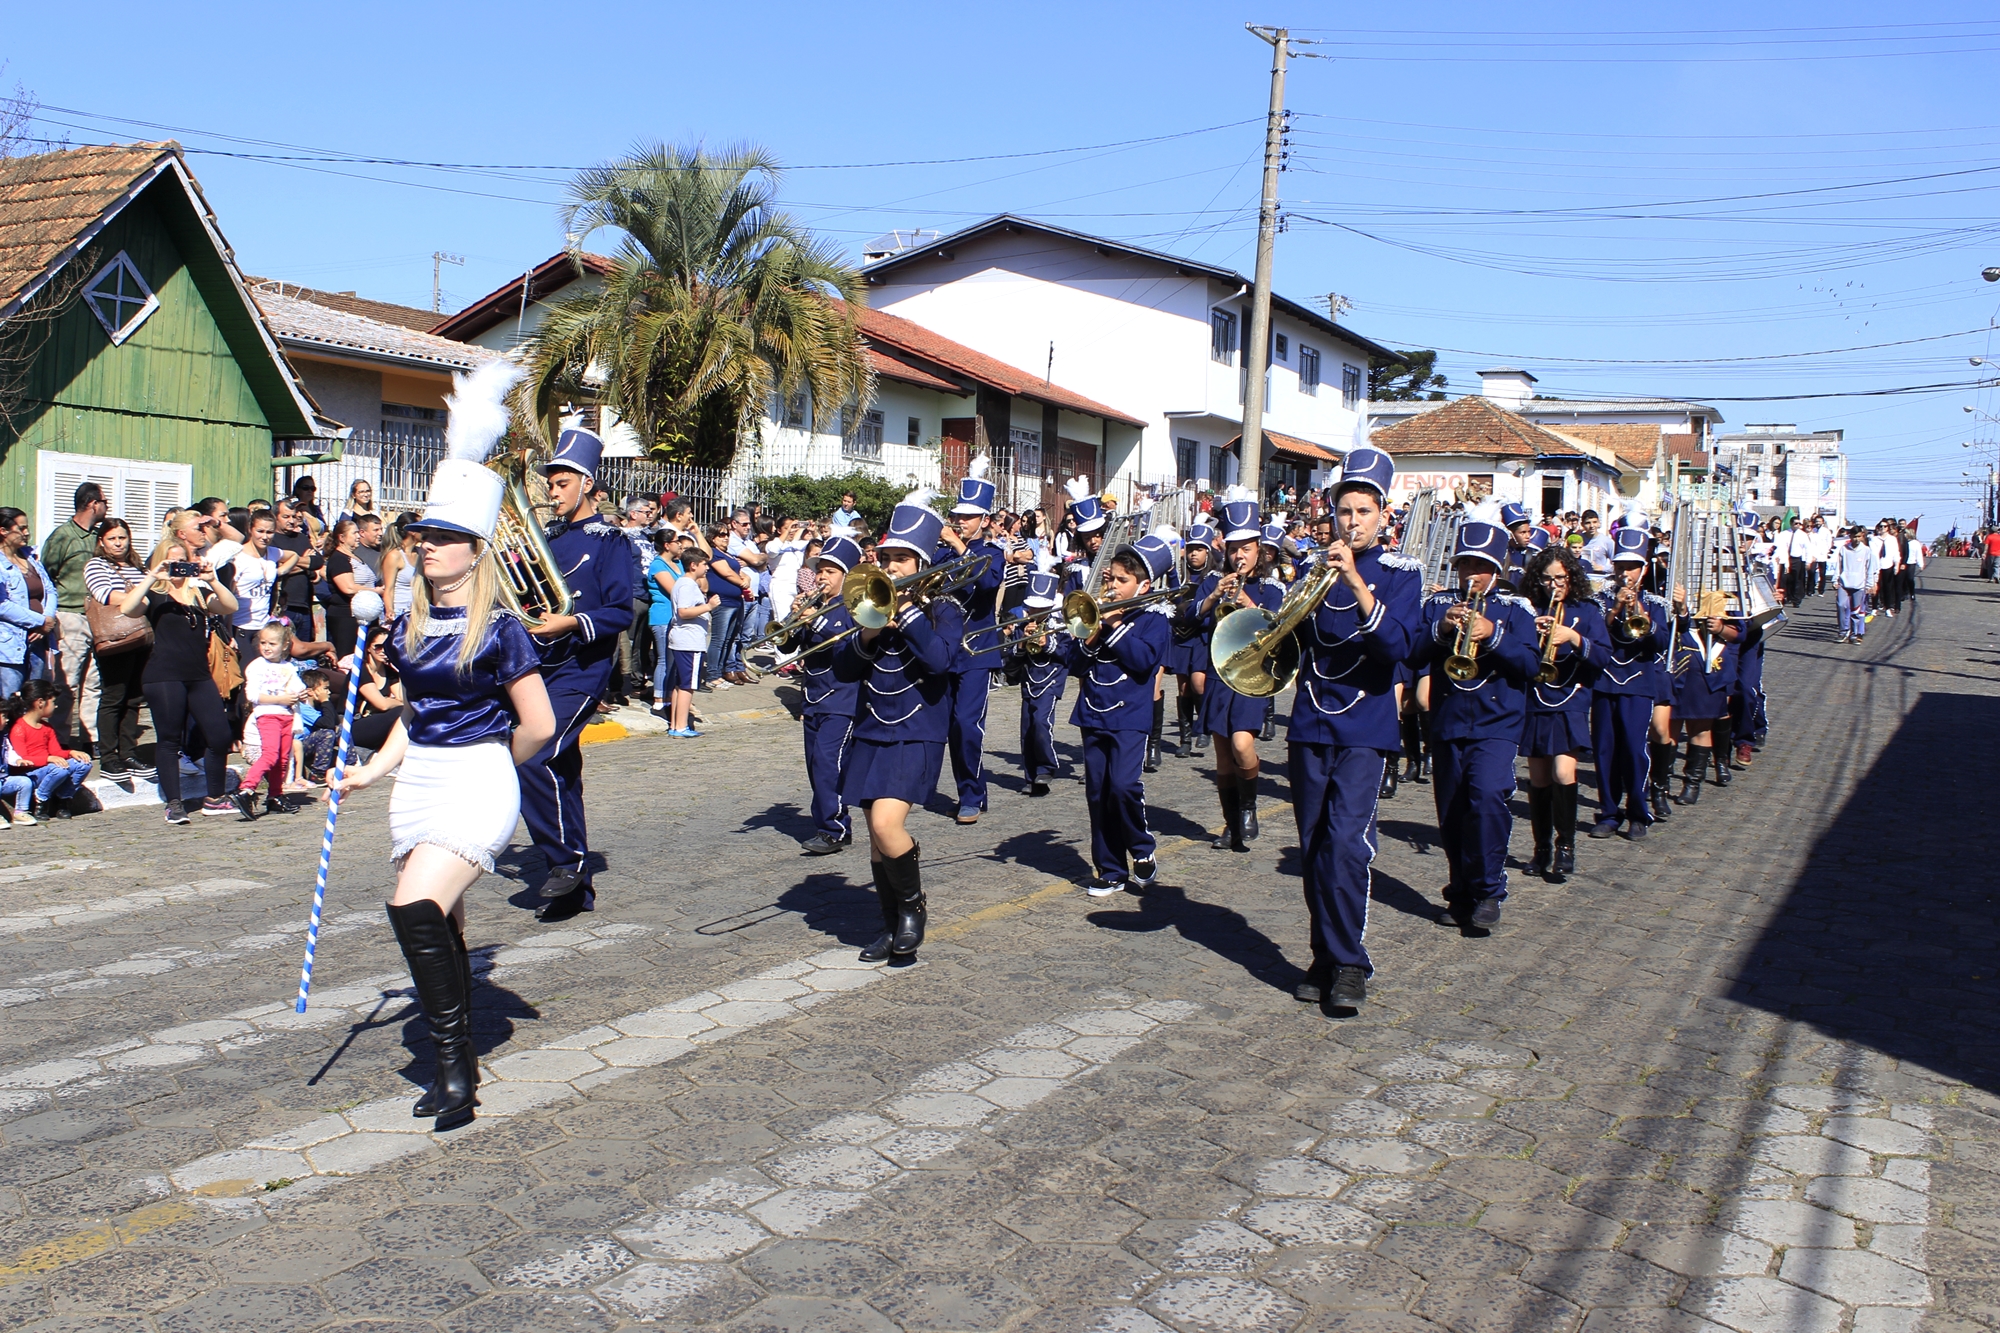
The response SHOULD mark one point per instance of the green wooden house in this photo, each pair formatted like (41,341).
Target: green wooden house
(131,352)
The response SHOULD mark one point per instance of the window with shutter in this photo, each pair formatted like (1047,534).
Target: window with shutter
(138,492)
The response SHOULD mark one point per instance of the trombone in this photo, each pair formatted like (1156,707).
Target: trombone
(871,596)
(1082,611)
(1018,631)
(805,610)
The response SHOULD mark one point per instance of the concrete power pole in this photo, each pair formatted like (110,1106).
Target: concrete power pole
(1257,344)
(438,259)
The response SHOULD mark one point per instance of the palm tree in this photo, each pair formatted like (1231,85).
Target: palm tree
(719,304)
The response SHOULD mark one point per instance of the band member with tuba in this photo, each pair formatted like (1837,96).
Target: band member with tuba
(579,653)
(1115,669)
(1276,570)
(1041,650)
(1621,708)
(972,672)
(1344,725)
(1573,647)
(474,707)
(831,696)
(904,717)
(1479,643)
(1234,720)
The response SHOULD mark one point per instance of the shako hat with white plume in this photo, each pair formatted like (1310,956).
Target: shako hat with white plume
(465,494)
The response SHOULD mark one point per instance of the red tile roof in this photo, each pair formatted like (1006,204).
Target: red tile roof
(387,312)
(1471,426)
(1291,444)
(1633,444)
(49,201)
(547,278)
(889,368)
(899,334)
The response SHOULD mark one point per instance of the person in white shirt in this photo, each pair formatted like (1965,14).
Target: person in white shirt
(1819,545)
(1854,579)
(687,640)
(272,687)
(256,576)
(787,552)
(1788,560)
(1888,548)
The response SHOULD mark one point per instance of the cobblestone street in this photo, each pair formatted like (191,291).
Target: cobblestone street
(1741,1076)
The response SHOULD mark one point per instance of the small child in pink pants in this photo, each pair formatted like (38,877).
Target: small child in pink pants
(272,686)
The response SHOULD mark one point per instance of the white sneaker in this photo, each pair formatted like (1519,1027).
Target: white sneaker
(721,684)
(1104,888)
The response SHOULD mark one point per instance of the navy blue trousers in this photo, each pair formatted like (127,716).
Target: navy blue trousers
(1473,782)
(826,756)
(1746,706)
(1334,789)
(1620,726)
(1115,790)
(552,783)
(1038,719)
(967,737)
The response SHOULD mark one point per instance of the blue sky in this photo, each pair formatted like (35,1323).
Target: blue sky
(1627,201)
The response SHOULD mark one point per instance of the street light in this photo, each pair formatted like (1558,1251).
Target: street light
(1990,274)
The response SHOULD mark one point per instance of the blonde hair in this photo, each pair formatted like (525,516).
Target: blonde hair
(284,632)
(480,604)
(168,542)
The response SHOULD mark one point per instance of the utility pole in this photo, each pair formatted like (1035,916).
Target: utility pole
(438,259)
(1257,345)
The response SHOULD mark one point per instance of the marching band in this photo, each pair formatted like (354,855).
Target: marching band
(1490,646)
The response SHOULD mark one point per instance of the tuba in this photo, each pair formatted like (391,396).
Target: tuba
(531,584)
(1255,651)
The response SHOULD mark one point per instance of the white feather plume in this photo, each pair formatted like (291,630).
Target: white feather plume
(1611,513)
(1045,561)
(1486,511)
(478,406)
(1078,488)
(1167,533)
(922,496)
(979,466)
(1235,493)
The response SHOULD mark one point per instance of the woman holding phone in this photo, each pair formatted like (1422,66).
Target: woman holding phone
(183,599)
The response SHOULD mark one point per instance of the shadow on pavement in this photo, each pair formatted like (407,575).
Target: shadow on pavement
(1894,912)
(1220,930)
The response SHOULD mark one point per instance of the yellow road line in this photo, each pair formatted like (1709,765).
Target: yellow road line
(63,1250)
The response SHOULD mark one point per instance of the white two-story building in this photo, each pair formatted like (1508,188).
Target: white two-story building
(1156,336)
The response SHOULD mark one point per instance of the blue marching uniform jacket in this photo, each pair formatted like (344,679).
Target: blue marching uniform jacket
(904,711)
(1223,710)
(1621,708)
(595,560)
(1044,672)
(1558,720)
(1476,725)
(980,600)
(832,691)
(1343,722)
(1703,678)
(1114,711)
(970,671)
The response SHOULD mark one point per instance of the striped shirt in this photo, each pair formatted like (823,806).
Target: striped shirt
(109,581)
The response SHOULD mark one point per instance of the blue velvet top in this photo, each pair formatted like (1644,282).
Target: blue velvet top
(981,599)
(1347,662)
(444,708)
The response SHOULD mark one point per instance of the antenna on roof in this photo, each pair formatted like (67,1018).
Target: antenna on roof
(438,259)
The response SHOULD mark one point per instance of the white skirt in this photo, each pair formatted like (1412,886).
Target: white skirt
(463,798)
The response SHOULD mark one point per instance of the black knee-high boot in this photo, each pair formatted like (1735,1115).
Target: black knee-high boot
(1246,789)
(1692,774)
(885,900)
(1152,764)
(1564,813)
(1660,777)
(1200,731)
(436,956)
(1231,837)
(1184,723)
(1720,749)
(1412,729)
(1270,729)
(1540,801)
(1423,746)
(906,882)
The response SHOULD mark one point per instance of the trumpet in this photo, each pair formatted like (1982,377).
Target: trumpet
(1081,611)
(872,597)
(1634,621)
(1547,675)
(1463,664)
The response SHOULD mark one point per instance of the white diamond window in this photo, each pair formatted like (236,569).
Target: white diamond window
(120,298)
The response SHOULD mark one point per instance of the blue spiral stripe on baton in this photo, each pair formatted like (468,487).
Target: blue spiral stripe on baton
(333,795)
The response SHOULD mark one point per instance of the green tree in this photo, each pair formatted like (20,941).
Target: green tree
(1409,377)
(796,495)
(718,306)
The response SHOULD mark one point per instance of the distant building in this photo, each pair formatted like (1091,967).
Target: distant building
(1782,468)
(1477,449)
(1632,434)
(1160,337)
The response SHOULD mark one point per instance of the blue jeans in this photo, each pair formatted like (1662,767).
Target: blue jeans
(59,780)
(756,619)
(1852,603)
(662,659)
(15,674)
(722,654)
(17,789)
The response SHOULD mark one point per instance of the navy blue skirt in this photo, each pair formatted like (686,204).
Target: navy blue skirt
(1185,659)
(892,771)
(1223,710)
(1545,735)
(1663,685)
(1698,695)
